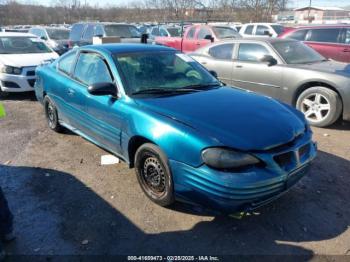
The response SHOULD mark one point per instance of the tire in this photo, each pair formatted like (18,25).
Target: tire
(154,175)
(320,105)
(51,115)
(3,94)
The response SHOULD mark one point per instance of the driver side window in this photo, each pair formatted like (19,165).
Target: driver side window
(252,52)
(92,69)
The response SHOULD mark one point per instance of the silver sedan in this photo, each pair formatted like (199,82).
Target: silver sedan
(284,69)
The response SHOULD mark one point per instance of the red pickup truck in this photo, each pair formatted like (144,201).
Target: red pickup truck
(197,36)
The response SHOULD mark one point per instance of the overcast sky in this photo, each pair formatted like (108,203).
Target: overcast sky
(293,3)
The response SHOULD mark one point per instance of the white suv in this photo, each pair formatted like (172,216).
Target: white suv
(261,30)
(20,54)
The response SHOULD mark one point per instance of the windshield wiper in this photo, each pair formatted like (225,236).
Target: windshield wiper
(202,86)
(164,91)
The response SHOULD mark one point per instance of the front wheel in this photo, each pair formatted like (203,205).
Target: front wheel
(153,174)
(2,93)
(320,105)
(51,115)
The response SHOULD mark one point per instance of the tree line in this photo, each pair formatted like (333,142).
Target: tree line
(70,11)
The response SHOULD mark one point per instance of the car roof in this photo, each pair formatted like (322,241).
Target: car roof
(320,26)
(262,24)
(128,48)
(259,39)
(49,27)
(101,23)
(15,34)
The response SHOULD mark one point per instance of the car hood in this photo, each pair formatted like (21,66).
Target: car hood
(233,117)
(23,60)
(327,67)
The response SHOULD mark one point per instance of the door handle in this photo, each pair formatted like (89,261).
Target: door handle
(239,66)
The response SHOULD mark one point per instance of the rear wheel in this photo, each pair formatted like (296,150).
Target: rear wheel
(153,174)
(51,115)
(320,105)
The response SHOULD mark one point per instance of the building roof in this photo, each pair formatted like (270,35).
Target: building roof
(322,8)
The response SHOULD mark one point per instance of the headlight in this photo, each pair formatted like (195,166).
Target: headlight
(11,70)
(222,158)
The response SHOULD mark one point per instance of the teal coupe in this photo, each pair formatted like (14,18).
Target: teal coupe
(189,137)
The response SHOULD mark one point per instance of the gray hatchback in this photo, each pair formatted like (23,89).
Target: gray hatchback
(284,69)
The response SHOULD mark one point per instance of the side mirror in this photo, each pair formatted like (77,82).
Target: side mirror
(209,37)
(269,59)
(213,73)
(103,89)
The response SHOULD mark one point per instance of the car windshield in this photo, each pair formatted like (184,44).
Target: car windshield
(295,52)
(278,29)
(58,34)
(174,31)
(225,32)
(22,45)
(123,31)
(156,72)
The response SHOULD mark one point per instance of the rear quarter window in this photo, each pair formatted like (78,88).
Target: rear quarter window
(191,32)
(65,64)
(223,52)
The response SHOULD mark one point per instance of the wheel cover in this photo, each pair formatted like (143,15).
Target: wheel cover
(153,176)
(51,115)
(315,107)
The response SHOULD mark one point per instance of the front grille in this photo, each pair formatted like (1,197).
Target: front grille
(31,82)
(9,84)
(30,73)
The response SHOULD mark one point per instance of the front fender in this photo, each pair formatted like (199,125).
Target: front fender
(179,142)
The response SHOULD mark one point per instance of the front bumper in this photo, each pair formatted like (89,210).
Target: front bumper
(18,83)
(246,190)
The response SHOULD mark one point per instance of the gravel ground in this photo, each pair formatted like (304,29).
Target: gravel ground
(66,203)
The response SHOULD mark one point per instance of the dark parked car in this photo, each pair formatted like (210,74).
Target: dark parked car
(189,137)
(55,37)
(285,69)
(82,33)
(331,41)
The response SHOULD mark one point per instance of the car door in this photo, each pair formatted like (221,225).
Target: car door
(75,96)
(220,60)
(346,44)
(326,41)
(251,74)
(189,41)
(203,32)
(102,121)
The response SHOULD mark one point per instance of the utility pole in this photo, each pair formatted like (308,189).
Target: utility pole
(308,15)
